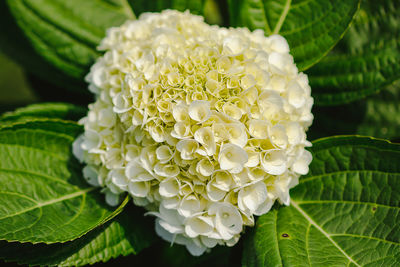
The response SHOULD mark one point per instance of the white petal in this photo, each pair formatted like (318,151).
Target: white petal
(214,193)
(208,242)
(237,134)
(164,153)
(92,140)
(254,157)
(169,187)
(274,162)
(118,178)
(278,136)
(252,196)
(194,249)
(111,198)
(235,44)
(278,43)
(171,202)
(199,110)
(258,128)
(198,225)
(205,137)
(296,95)
(232,158)
(301,164)
(139,189)
(264,207)
(91,175)
(228,219)
(187,148)
(205,167)
(121,104)
(189,205)
(77,148)
(180,113)
(161,232)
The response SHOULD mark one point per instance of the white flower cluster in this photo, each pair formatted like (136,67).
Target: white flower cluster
(203,126)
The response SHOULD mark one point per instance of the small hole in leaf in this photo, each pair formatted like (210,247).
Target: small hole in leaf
(285,235)
(374,209)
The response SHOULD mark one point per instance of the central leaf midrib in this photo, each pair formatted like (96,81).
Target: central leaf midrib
(51,202)
(282,17)
(311,221)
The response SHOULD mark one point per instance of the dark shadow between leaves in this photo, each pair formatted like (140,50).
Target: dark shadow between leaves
(337,120)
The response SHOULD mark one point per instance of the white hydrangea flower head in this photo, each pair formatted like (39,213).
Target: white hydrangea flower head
(203,126)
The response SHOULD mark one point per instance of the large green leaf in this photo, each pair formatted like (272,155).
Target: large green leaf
(367,59)
(377,115)
(44,197)
(127,234)
(311,27)
(66,33)
(345,212)
(17,46)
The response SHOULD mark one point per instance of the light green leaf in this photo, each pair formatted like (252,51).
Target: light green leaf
(367,59)
(44,197)
(311,27)
(377,115)
(62,111)
(127,234)
(345,212)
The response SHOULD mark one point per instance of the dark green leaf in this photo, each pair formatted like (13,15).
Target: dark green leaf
(345,212)
(377,115)
(15,45)
(43,194)
(66,33)
(311,27)
(127,234)
(367,60)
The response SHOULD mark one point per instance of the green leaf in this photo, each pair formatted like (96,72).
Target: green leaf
(63,111)
(345,212)
(127,234)
(140,6)
(43,194)
(66,33)
(311,27)
(377,115)
(17,46)
(368,58)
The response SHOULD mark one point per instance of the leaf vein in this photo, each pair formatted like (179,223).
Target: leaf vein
(368,237)
(311,221)
(282,18)
(50,202)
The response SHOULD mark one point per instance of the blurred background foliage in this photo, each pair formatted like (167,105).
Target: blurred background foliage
(15,88)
